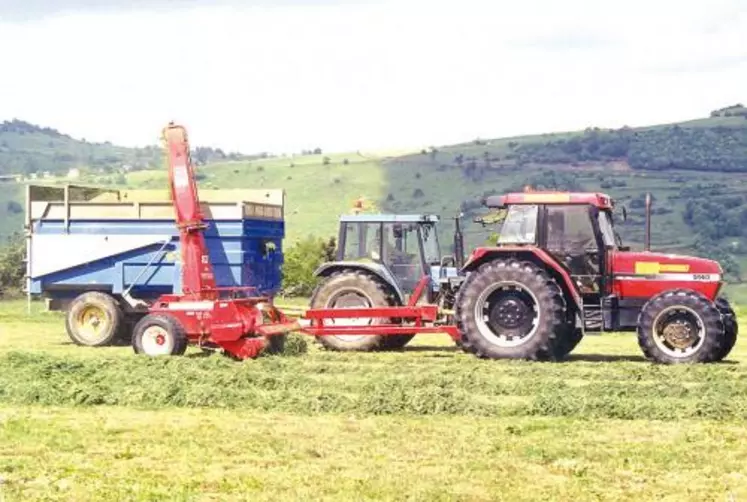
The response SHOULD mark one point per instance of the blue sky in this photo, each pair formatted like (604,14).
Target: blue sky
(281,76)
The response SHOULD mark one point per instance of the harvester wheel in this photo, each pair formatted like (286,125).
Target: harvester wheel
(159,335)
(681,326)
(354,289)
(94,319)
(568,338)
(731,328)
(508,309)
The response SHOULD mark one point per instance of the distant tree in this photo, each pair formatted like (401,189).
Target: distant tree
(300,262)
(317,151)
(12,268)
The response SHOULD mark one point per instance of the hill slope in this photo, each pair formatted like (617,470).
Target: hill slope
(696,170)
(27,149)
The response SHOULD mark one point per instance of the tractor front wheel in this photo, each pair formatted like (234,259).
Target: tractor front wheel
(681,326)
(508,309)
(354,289)
(731,328)
(159,335)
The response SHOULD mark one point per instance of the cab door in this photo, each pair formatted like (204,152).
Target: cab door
(571,236)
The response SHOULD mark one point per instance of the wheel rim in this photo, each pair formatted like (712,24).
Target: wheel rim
(507,314)
(679,331)
(156,341)
(349,299)
(91,323)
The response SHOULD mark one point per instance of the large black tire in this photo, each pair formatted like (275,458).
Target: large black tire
(680,326)
(352,288)
(731,328)
(527,311)
(159,335)
(94,319)
(568,338)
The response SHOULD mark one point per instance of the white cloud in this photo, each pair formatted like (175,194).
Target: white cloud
(375,75)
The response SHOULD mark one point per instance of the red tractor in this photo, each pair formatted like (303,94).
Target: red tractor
(559,270)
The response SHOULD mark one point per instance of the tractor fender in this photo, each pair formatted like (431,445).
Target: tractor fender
(376,269)
(531,253)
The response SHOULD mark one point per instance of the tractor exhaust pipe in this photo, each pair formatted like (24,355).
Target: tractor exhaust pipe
(647,241)
(458,243)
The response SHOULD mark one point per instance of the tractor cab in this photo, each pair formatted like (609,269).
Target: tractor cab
(401,248)
(575,229)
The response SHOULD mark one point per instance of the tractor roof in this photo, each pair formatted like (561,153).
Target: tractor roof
(389,218)
(600,200)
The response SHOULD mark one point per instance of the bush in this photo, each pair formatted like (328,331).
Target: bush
(12,268)
(301,260)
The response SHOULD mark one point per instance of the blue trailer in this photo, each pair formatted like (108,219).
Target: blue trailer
(103,255)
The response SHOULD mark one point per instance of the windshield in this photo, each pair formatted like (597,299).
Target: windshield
(431,247)
(520,225)
(608,231)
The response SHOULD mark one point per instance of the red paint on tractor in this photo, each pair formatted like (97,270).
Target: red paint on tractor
(646,274)
(599,200)
(481,255)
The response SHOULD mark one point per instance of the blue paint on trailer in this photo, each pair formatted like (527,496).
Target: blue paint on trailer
(141,256)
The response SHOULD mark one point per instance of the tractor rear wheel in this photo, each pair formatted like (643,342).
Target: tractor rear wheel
(731,328)
(355,289)
(508,309)
(681,326)
(94,319)
(159,335)
(567,340)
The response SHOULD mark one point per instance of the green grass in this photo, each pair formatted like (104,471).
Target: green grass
(427,423)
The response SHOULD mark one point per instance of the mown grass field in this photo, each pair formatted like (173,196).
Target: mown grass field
(428,423)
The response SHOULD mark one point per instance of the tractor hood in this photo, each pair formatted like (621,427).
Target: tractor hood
(646,274)
(678,266)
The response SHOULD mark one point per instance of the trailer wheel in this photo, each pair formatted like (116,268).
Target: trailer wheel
(731,328)
(94,319)
(159,335)
(568,338)
(508,309)
(681,326)
(353,289)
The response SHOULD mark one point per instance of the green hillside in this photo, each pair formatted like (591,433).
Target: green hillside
(696,170)
(30,150)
